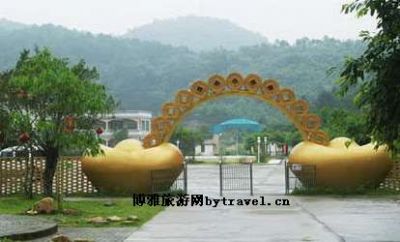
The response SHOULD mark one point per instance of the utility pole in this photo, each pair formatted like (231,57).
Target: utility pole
(265,145)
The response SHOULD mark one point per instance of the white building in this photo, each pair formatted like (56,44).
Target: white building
(136,122)
(209,147)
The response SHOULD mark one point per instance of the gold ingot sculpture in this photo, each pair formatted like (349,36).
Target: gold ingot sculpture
(127,168)
(342,164)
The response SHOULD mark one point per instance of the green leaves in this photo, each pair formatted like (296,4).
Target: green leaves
(55,90)
(378,68)
(339,122)
(188,139)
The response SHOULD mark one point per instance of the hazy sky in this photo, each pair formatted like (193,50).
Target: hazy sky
(275,19)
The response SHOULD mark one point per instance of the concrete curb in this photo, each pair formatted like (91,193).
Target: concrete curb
(35,227)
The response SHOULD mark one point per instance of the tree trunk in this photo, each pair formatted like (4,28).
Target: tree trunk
(30,166)
(50,169)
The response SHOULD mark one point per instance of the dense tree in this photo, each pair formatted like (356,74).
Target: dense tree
(188,138)
(53,105)
(339,122)
(280,134)
(377,70)
(340,117)
(143,75)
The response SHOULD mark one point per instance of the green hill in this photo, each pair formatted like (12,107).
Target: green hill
(143,75)
(197,33)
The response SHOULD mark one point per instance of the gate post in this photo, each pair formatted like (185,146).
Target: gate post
(286,177)
(220,179)
(251,178)
(185,177)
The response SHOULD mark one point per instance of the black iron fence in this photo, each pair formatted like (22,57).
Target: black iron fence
(163,180)
(299,177)
(236,177)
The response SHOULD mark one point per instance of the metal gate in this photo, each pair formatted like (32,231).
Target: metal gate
(232,177)
(235,177)
(299,177)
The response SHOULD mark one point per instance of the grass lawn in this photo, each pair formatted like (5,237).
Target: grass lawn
(86,208)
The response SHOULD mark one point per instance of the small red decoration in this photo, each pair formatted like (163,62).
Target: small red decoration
(22,94)
(24,137)
(99,131)
(69,123)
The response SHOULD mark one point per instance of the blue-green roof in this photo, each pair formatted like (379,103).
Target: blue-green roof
(238,123)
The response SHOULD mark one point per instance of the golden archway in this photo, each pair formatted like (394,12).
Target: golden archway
(252,85)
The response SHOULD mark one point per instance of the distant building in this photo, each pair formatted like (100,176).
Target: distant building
(209,147)
(136,122)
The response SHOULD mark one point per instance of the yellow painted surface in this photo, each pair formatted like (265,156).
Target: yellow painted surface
(338,166)
(253,86)
(127,167)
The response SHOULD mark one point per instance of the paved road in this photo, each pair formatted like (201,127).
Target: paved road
(306,219)
(233,224)
(358,218)
(268,179)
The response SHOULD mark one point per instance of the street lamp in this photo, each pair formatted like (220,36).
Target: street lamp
(177,143)
(258,149)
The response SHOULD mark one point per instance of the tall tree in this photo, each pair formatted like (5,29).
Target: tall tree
(53,105)
(188,139)
(340,122)
(377,69)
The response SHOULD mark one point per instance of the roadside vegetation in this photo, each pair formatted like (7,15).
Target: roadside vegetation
(77,213)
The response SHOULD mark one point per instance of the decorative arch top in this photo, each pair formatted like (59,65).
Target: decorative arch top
(284,99)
